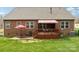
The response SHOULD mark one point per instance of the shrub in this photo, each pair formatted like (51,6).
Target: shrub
(77,32)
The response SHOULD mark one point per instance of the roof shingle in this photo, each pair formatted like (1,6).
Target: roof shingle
(39,13)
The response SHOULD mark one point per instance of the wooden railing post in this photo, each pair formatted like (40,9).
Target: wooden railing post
(35,32)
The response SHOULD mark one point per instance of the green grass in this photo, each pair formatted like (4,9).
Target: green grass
(66,44)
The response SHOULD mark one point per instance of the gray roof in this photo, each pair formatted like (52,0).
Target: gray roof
(39,13)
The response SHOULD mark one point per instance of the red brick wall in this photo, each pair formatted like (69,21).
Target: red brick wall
(66,31)
(15,32)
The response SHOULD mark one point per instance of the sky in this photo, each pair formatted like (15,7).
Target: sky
(5,10)
(73,10)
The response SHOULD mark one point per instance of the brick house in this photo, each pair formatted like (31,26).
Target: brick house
(1,23)
(76,22)
(40,22)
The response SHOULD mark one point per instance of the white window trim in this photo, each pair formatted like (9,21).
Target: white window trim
(61,25)
(64,25)
(17,23)
(68,24)
(7,23)
(29,24)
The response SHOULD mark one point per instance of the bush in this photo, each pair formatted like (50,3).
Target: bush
(77,32)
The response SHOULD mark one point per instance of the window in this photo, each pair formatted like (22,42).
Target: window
(64,24)
(18,23)
(30,24)
(42,26)
(46,27)
(7,25)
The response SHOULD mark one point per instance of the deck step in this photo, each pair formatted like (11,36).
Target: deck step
(47,35)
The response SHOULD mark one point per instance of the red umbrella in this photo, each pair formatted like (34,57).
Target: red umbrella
(20,27)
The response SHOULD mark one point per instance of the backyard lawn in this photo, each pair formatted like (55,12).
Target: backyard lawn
(55,45)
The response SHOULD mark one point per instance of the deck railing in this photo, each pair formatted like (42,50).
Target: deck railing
(48,30)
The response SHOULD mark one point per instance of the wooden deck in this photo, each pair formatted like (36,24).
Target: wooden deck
(47,35)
